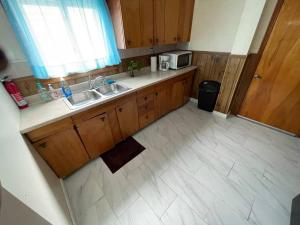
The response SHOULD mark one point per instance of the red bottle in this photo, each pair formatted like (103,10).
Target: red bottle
(15,93)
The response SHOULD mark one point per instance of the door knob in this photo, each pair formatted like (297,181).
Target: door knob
(257,77)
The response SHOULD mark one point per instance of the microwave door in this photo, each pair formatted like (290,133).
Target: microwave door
(183,60)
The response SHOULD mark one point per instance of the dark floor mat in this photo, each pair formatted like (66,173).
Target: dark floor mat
(122,153)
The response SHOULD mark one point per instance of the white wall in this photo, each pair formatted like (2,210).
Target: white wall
(14,212)
(263,25)
(248,23)
(19,66)
(23,173)
(215,24)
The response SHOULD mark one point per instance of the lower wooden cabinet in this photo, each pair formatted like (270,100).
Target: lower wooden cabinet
(128,117)
(68,144)
(162,99)
(96,135)
(188,86)
(177,96)
(63,152)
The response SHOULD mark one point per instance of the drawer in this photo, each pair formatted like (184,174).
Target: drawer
(145,108)
(143,99)
(146,119)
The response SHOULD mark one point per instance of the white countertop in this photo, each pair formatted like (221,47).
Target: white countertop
(42,114)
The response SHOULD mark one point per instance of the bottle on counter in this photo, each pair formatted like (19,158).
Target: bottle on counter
(43,92)
(15,93)
(55,94)
(65,88)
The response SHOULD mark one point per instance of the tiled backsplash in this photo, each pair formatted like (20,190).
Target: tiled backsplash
(21,73)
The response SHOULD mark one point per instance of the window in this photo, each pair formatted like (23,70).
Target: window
(62,37)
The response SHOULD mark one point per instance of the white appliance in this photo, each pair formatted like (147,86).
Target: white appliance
(164,64)
(179,59)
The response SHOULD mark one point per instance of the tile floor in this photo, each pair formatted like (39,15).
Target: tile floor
(197,169)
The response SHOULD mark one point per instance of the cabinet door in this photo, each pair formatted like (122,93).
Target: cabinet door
(188,87)
(162,100)
(159,21)
(171,21)
(178,94)
(96,135)
(185,20)
(131,22)
(128,117)
(147,22)
(63,152)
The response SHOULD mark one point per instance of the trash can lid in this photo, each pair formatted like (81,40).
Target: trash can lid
(209,86)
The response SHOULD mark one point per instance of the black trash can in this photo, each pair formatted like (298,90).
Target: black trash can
(208,94)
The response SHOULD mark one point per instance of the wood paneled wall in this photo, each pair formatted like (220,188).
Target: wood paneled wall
(244,83)
(27,84)
(229,82)
(211,66)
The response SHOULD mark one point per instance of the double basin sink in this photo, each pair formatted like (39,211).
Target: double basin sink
(84,96)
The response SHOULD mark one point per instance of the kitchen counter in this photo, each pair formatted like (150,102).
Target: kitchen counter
(42,114)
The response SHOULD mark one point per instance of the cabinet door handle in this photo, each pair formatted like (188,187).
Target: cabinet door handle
(156,40)
(43,145)
(151,41)
(128,42)
(120,109)
(102,118)
(175,38)
(145,98)
(178,38)
(156,94)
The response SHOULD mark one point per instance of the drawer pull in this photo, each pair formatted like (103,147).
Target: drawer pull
(120,109)
(156,94)
(43,145)
(102,118)
(145,98)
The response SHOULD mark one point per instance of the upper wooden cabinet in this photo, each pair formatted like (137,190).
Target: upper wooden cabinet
(185,20)
(147,18)
(142,23)
(159,21)
(171,21)
(133,22)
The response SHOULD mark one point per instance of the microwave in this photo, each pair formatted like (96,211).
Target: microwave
(179,59)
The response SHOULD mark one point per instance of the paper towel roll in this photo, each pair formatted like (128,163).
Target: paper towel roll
(153,64)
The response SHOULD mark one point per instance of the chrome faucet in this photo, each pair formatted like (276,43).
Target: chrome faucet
(92,82)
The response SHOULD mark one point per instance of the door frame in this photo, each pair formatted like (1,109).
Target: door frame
(251,64)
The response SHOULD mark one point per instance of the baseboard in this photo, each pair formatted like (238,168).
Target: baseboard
(68,202)
(223,115)
(194,100)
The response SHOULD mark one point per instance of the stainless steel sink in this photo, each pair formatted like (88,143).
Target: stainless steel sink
(111,89)
(82,98)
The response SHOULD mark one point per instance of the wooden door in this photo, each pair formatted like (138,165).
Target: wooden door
(63,152)
(177,98)
(131,22)
(185,20)
(128,117)
(159,21)
(96,135)
(273,97)
(147,22)
(171,21)
(162,100)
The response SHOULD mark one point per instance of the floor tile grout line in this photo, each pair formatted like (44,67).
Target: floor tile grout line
(230,169)
(251,210)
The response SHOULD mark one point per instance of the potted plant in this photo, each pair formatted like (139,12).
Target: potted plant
(132,66)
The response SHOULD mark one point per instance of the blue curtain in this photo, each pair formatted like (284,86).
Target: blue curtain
(60,37)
